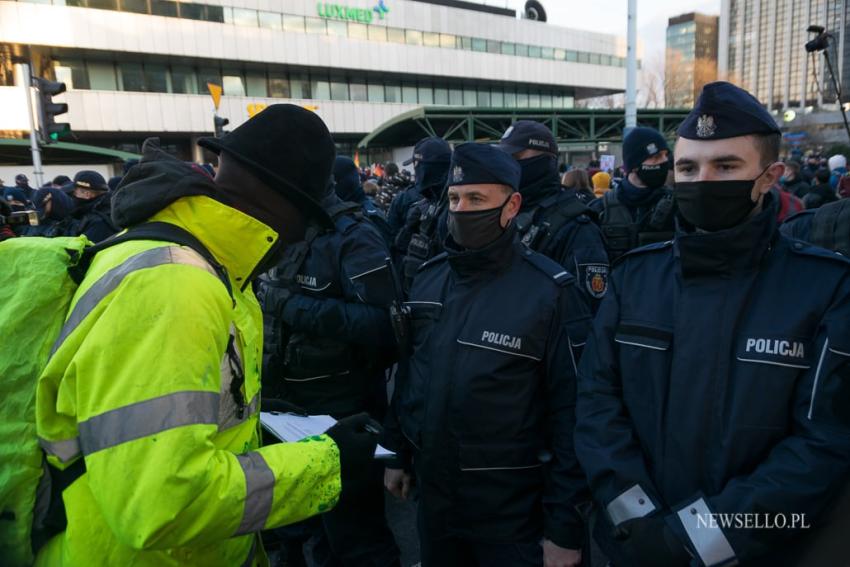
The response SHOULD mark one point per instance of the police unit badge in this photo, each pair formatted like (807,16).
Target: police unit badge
(595,279)
(457,174)
(706,126)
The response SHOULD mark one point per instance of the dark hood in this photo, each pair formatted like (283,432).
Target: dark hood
(348,187)
(62,203)
(155,182)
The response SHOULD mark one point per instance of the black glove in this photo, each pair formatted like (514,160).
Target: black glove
(650,542)
(356,437)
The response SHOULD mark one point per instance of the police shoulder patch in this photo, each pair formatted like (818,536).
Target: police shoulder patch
(594,277)
(438,259)
(549,267)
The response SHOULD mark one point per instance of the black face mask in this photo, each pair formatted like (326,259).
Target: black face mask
(716,205)
(536,169)
(476,229)
(653,176)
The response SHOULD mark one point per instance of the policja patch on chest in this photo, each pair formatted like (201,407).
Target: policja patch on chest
(595,277)
(501,339)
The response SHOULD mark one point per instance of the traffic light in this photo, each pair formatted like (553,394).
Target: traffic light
(220,123)
(49,130)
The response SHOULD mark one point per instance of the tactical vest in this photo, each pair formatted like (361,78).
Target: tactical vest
(623,233)
(424,243)
(539,225)
(831,227)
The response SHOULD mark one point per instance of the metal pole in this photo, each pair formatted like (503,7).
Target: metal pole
(38,174)
(631,69)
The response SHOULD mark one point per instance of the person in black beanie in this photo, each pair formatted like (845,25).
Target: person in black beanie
(641,210)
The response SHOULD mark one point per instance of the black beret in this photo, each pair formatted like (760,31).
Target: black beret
(474,164)
(726,111)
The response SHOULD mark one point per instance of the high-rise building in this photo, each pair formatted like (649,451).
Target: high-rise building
(690,59)
(762,49)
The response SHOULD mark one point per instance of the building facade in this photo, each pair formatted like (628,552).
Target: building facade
(140,67)
(690,58)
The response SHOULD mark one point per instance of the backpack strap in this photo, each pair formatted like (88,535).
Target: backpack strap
(157,231)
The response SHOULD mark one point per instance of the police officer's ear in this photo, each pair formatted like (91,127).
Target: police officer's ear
(511,208)
(768,179)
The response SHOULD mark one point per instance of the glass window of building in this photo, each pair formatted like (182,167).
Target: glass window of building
(164,8)
(497,97)
(466,43)
(214,14)
(534,51)
(583,57)
(232,83)
(456,97)
(377,33)
(426,94)
(522,99)
(135,6)
(479,44)
(448,40)
(301,87)
(45,2)
(293,23)
(546,100)
(522,50)
(103,4)
(183,80)
(572,55)
(255,84)
(279,86)
(483,98)
(534,100)
(358,31)
(510,99)
(132,77)
(315,25)
(337,28)
(494,46)
(408,94)
(547,53)
(393,93)
(270,20)
(358,92)
(208,75)
(470,97)
(376,92)
(339,90)
(156,78)
(441,96)
(557,101)
(243,17)
(102,76)
(395,35)
(431,39)
(560,54)
(508,48)
(191,11)
(595,59)
(320,87)
(605,59)
(413,37)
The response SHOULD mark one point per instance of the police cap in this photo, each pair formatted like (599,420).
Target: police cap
(726,111)
(474,164)
(528,135)
(429,150)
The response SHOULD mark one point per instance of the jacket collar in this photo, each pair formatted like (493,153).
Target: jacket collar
(486,261)
(238,241)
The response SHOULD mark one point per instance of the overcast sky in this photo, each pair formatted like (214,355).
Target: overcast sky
(609,16)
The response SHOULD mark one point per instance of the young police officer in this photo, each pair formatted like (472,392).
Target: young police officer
(486,401)
(698,395)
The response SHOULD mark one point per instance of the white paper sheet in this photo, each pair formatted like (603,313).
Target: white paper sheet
(289,427)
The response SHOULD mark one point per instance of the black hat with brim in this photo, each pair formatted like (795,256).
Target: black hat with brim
(290,149)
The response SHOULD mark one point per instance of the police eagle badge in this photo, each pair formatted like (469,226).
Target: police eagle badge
(706,127)
(457,174)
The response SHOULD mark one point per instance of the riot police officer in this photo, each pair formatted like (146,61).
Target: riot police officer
(328,342)
(713,407)
(485,402)
(553,220)
(641,209)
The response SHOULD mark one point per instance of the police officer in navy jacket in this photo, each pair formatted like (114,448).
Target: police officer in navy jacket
(714,399)
(485,403)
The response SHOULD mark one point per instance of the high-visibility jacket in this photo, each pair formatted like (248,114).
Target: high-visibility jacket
(139,386)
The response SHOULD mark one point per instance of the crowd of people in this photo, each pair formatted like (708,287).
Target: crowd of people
(575,355)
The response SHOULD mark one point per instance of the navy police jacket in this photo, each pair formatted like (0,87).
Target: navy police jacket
(487,397)
(710,385)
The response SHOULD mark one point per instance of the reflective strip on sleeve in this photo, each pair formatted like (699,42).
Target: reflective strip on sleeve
(113,278)
(706,537)
(259,489)
(66,450)
(148,418)
(633,503)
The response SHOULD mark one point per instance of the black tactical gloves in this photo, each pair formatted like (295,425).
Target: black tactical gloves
(356,437)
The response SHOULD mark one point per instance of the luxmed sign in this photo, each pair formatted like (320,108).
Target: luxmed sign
(348,14)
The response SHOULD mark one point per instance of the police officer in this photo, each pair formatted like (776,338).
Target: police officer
(641,209)
(92,208)
(349,188)
(328,342)
(430,161)
(421,237)
(486,400)
(709,384)
(553,220)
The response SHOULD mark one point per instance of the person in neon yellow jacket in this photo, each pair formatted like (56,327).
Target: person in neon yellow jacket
(155,378)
